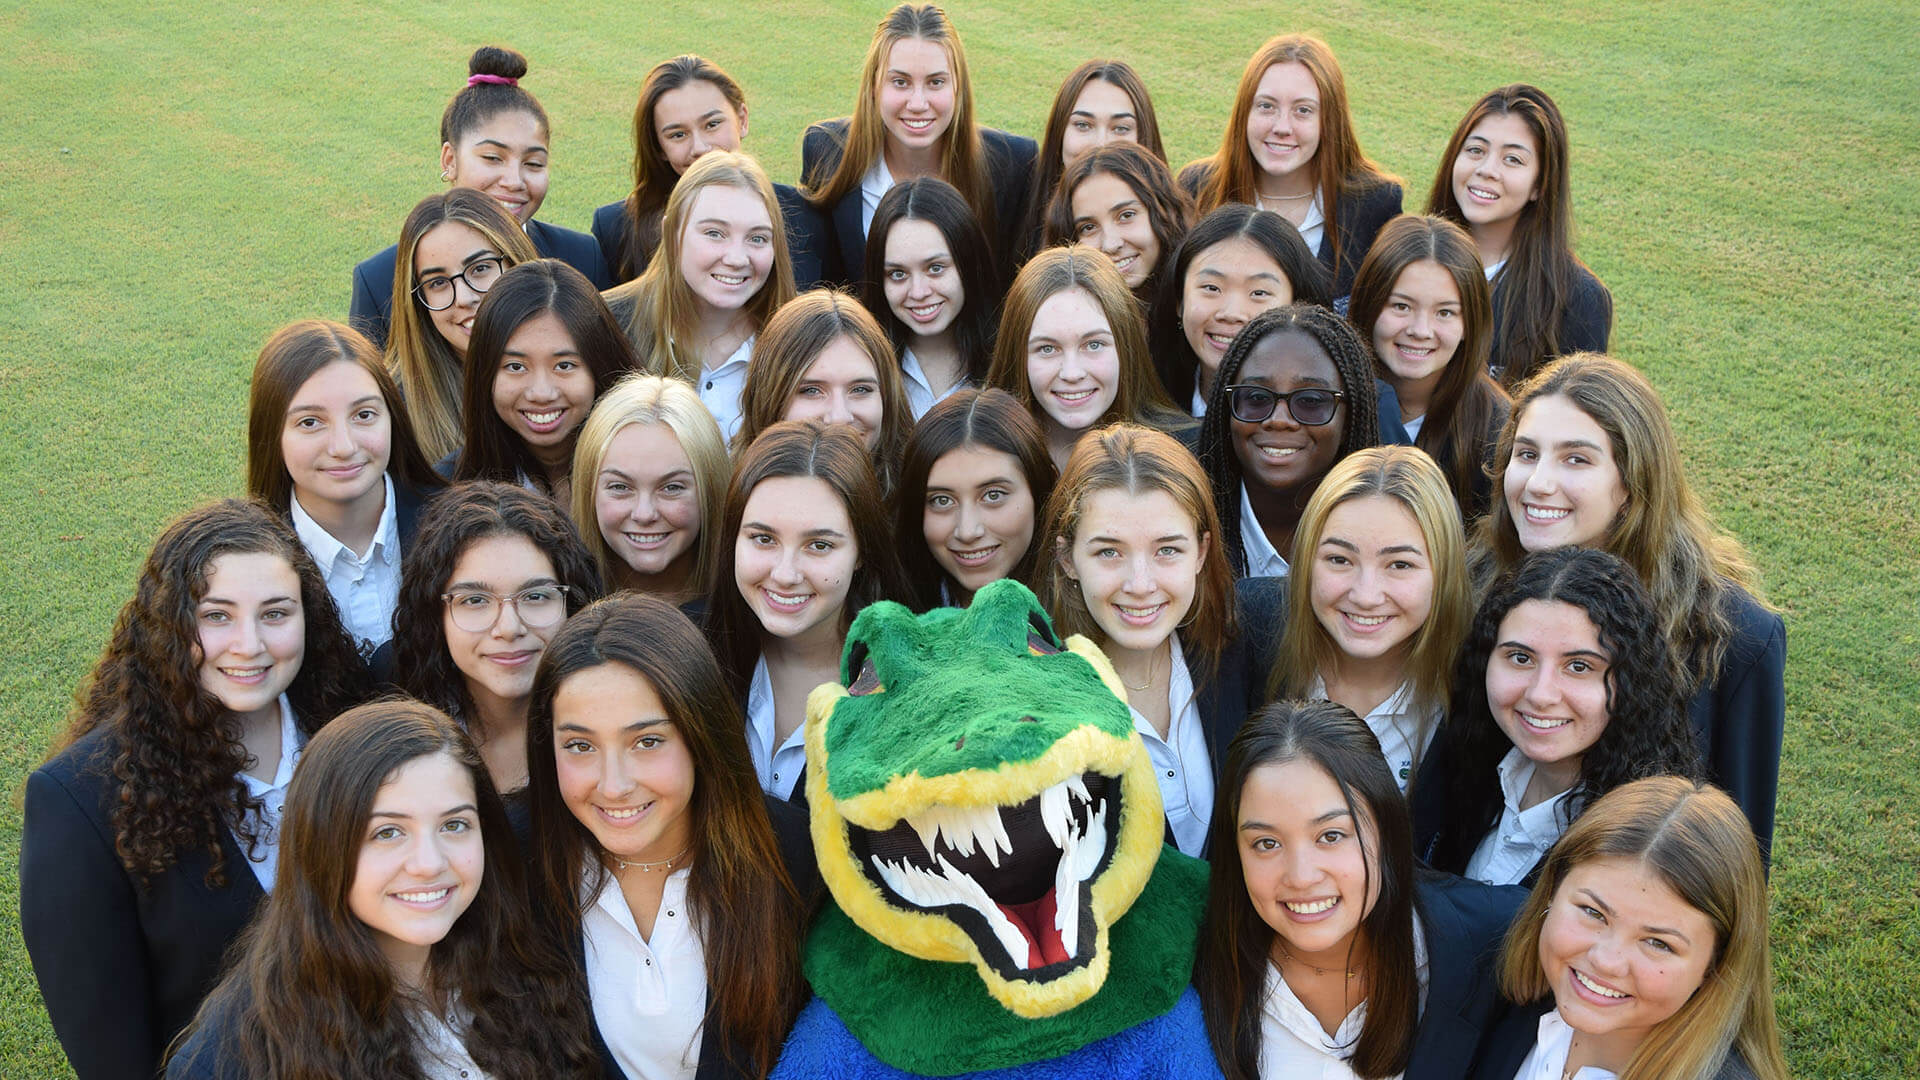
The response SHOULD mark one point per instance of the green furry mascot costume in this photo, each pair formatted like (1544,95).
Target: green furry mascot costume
(988,823)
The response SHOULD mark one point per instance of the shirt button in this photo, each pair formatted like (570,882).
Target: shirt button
(709,384)
(776,778)
(1169,774)
(649,962)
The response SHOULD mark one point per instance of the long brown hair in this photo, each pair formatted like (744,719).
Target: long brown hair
(962,160)
(1053,139)
(177,752)
(1537,280)
(1230,971)
(653,175)
(295,353)
(747,908)
(1169,211)
(1339,166)
(311,994)
(1467,404)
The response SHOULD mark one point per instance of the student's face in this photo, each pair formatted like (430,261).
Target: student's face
(1072,366)
(1372,578)
(692,119)
(979,516)
(1108,215)
(1227,285)
(647,499)
(505,157)
(421,860)
(337,437)
(915,94)
(1283,128)
(447,249)
(726,249)
(499,660)
(1622,950)
(922,284)
(1419,326)
(1301,854)
(795,555)
(1547,682)
(252,631)
(1497,172)
(1282,454)
(841,386)
(542,389)
(1137,557)
(624,767)
(1562,484)
(1103,113)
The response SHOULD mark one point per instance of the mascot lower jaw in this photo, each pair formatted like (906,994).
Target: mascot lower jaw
(989,826)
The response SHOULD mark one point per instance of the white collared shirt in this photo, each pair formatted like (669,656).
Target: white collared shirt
(1262,559)
(720,389)
(265,859)
(1180,763)
(1199,401)
(873,187)
(1548,1058)
(1493,269)
(649,994)
(366,588)
(781,769)
(1403,730)
(1522,837)
(921,394)
(1293,1045)
(1314,225)
(1414,425)
(443,1048)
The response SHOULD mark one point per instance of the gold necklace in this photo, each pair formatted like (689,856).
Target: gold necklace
(649,867)
(1151,660)
(1317,969)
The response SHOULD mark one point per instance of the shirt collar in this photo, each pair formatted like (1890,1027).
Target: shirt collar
(291,743)
(1262,559)
(326,550)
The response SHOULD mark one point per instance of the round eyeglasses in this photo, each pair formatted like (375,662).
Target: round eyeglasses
(1255,404)
(437,292)
(537,607)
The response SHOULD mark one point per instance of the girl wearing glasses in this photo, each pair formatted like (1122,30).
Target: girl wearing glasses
(544,347)
(931,283)
(1133,562)
(493,140)
(153,833)
(457,245)
(1073,349)
(397,941)
(807,547)
(1121,199)
(494,573)
(1294,396)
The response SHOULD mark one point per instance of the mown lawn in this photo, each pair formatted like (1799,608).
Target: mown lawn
(177,181)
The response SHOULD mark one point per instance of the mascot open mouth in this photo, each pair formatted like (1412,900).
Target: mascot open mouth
(1016,879)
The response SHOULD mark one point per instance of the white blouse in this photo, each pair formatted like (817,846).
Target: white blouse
(1263,560)
(265,859)
(1180,763)
(366,589)
(1403,730)
(782,769)
(921,395)
(720,389)
(1548,1059)
(1522,837)
(1293,1045)
(649,994)
(443,1049)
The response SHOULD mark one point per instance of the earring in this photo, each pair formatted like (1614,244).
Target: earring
(446,174)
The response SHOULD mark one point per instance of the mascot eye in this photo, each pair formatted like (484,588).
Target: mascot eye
(867,679)
(1041,640)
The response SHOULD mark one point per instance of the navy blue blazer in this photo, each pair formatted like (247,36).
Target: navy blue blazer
(1009,161)
(1465,923)
(1513,1038)
(806,237)
(1585,323)
(371,310)
(122,967)
(1740,719)
(1238,686)
(1357,219)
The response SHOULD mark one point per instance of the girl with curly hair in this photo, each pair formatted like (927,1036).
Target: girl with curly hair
(1564,691)
(397,943)
(152,834)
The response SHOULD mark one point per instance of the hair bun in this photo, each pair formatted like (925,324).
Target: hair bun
(496,60)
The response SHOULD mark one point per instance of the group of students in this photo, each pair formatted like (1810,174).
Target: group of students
(1412,608)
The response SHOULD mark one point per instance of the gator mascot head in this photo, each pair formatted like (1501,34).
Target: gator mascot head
(979,795)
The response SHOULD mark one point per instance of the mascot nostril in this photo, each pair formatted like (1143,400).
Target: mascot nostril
(988,824)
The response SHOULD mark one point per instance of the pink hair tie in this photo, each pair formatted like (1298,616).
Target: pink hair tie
(498,80)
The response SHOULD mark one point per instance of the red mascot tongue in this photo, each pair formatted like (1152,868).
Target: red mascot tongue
(1035,922)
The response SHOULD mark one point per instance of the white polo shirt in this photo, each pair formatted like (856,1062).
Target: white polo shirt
(1180,764)
(366,588)
(649,994)
(1522,837)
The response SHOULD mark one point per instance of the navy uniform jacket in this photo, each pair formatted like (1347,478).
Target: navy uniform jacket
(1009,163)
(372,307)
(1465,923)
(1739,720)
(1357,219)
(1509,1043)
(1585,323)
(806,238)
(122,967)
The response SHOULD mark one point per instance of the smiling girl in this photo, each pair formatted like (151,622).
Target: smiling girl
(912,117)
(1564,690)
(494,140)
(1122,200)
(153,833)
(1642,952)
(1503,178)
(397,943)
(495,572)
(1099,103)
(723,270)
(1290,147)
(932,284)
(810,548)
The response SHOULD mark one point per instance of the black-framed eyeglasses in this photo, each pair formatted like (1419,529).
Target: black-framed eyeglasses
(1255,404)
(437,292)
(476,610)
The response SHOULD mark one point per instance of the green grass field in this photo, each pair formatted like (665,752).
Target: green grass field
(180,180)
